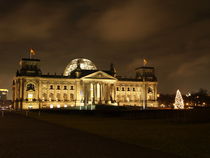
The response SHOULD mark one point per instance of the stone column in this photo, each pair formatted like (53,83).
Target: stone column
(95,92)
(100,85)
(144,95)
(98,92)
(109,93)
(78,89)
(91,92)
(103,94)
(114,89)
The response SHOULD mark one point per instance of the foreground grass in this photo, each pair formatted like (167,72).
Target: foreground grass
(188,140)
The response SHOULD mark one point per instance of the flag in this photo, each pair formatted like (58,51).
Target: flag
(145,62)
(32,52)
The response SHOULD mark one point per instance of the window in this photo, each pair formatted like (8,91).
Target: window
(71,97)
(58,87)
(65,97)
(51,86)
(65,88)
(44,97)
(123,89)
(134,89)
(51,97)
(150,90)
(128,89)
(117,88)
(72,87)
(58,97)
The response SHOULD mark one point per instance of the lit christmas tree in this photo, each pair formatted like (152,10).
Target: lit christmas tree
(179,102)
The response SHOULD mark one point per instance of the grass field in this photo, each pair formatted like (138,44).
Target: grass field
(184,139)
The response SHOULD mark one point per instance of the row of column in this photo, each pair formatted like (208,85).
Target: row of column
(99,93)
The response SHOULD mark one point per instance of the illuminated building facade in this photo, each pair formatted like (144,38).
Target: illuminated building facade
(82,85)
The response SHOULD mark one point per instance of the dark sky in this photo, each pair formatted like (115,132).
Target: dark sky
(174,35)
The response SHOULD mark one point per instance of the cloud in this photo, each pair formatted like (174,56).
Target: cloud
(135,20)
(195,67)
(30,21)
(173,35)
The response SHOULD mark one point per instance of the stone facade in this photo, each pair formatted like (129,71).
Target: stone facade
(80,87)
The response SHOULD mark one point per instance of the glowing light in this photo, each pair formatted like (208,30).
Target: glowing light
(4,90)
(179,102)
(162,105)
(30,97)
(51,106)
(188,94)
(58,106)
(65,106)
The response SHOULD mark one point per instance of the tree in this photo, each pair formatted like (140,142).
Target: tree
(179,102)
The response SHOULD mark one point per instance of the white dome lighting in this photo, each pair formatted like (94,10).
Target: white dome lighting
(84,64)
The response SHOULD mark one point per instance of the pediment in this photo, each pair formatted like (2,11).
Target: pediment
(99,75)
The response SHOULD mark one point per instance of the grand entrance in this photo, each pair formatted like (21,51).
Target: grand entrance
(99,93)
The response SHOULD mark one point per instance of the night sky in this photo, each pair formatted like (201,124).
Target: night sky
(173,35)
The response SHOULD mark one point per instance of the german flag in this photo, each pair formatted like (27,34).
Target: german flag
(32,52)
(145,62)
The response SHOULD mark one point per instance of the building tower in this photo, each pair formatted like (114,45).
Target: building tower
(147,76)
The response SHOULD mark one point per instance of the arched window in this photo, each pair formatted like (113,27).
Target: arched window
(150,94)
(65,97)
(71,97)
(51,97)
(44,97)
(58,97)
(150,90)
(119,98)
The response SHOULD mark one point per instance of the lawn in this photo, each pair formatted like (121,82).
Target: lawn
(184,139)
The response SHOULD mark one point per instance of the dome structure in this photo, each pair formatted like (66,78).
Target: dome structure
(82,63)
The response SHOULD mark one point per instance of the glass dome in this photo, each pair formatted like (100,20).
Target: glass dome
(84,64)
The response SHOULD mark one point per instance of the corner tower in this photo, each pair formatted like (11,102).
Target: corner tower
(29,67)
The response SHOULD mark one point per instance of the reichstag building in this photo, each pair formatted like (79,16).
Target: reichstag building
(82,85)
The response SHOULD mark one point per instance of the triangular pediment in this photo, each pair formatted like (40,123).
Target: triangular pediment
(99,75)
